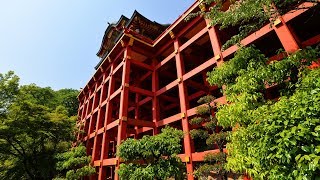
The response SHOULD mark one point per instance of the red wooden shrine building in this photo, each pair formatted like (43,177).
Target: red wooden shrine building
(151,75)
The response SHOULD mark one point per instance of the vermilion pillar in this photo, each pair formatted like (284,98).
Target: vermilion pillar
(155,99)
(184,107)
(124,98)
(91,122)
(286,37)
(100,119)
(107,119)
(215,42)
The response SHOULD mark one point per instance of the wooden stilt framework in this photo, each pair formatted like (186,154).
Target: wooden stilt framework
(140,86)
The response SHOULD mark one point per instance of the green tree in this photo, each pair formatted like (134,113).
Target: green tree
(152,157)
(212,135)
(9,85)
(246,15)
(67,98)
(74,164)
(273,139)
(33,129)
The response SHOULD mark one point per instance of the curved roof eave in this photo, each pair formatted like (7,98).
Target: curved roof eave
(105,36)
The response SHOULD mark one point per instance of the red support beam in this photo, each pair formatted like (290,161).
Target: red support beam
(141,64)
(168,120)
(140,123)
(197,70)
(100,121)
(191,83)
(145,100)
(141,91)
(145,76)
(117,68)
(171,106)
(107,119)
(136,112)
(155,99)
(109,162)
(164,47)
(286,37)
(140,103)
(116,93)
(184,106)
(167,59)
(193,39)
(299,10)
(91,122)
(196,95)
(190,25)
(143,129)
(169,98)
(311,41)
(167,88)
(124,98)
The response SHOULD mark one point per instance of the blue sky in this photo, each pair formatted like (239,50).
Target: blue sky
(54,42)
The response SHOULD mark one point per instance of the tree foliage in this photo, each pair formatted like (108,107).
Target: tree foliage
(152,157)
(34,126)
(273,139)
(212,135)
(74,164)
(246,15)
(9,85)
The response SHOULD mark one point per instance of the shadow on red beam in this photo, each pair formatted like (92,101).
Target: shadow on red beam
(196,95)
(300,9)
(138,122)
(140,64)
(193,39)
(145,76)
(169,98)
(174,105)
(277,57)
(169,120)
(106,80)
(131,132)
(167,59)
(311,41)
(164,47)
(249,39)
(117,68)
(145,100)
(200,68)
(190,25)
(256,35)
(141,91)
(115,93)
(143,129)
(167,87)
(142,102)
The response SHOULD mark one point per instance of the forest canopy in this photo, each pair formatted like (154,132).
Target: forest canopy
(35,124)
